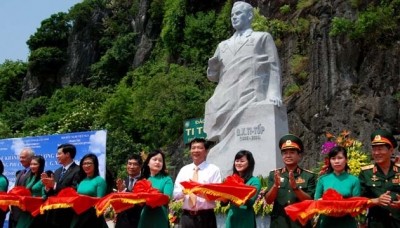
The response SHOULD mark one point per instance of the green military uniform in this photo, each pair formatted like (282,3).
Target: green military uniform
(305,181)
(375,183)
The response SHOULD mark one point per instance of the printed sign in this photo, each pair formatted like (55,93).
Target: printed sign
(193,128)
(85,142)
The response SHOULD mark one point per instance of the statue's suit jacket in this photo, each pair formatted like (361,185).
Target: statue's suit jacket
(247,71)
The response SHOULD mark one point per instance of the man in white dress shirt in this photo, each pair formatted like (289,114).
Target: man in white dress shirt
(200,213)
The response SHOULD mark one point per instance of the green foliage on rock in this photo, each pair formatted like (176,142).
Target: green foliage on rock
(46,59)
(376,23)
(285,9)
(173,24)
(291,89)
(113,65)
(302,4)
(81,13)
(340,26)
(277,28)
(298,66)
(198,34)
(397,96)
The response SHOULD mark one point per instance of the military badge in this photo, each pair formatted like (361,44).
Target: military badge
(374,178)
(377,138)
(396,180)
(300,180)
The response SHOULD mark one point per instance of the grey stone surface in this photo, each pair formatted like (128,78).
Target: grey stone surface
(246,67)
(258,130)
(245,110)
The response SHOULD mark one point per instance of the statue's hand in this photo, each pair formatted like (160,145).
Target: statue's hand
(213,69)
(214,63)
(276,101)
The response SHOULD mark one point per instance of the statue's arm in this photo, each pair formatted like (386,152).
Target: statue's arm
(214,66)
(274,92)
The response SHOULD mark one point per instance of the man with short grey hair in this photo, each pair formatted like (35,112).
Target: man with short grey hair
(25,157)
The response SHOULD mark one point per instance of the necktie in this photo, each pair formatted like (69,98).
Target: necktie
(238,40)
(192,197)
(130,184)
(63,173)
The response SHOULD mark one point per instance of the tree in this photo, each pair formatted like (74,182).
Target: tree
(11,77)
(53,32)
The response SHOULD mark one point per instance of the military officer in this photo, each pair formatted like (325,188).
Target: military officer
(290,184)
(381,182)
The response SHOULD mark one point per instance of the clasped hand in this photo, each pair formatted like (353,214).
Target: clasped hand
(386,200)
(120,185)
(292,181)
(47,181)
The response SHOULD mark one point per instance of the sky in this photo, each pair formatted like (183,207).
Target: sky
(19,19)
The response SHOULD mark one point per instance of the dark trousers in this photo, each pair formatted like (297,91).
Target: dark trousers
(199,219)
(129,218)
(383,222)
(14,216)
(87,219)
(59,218)
(2,217)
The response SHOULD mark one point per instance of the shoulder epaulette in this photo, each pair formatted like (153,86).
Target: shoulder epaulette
(278,169)
(396,167)
(367,167)
(308,171)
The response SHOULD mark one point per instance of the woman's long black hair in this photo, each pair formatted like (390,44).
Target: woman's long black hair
(42,162)
(82,173)
(248,173)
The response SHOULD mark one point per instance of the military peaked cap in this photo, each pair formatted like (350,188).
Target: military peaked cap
(291,142)
(381,137)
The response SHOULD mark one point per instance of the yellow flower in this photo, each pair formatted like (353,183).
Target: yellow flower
(356,157)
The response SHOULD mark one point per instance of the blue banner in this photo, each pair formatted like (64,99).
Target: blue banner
(85,142)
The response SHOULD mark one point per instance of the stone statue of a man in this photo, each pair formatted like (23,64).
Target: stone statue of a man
(246,67)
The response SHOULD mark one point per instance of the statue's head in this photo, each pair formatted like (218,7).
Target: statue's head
(241,16)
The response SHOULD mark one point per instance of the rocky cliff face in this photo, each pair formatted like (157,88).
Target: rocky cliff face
(350,85)
(83,51)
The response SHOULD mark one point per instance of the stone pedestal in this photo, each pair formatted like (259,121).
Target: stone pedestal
(258,130)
